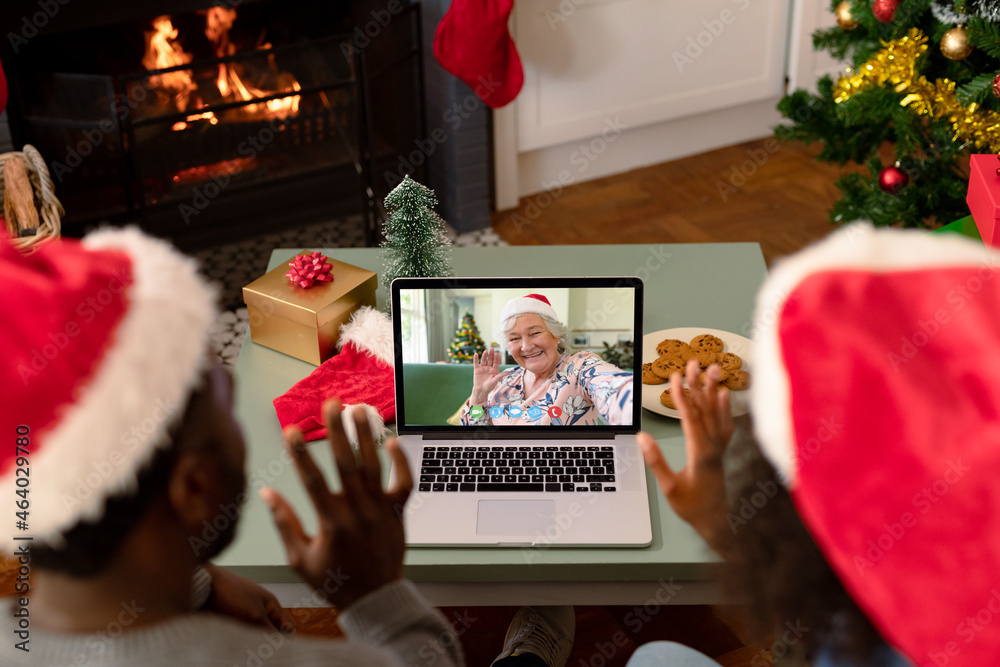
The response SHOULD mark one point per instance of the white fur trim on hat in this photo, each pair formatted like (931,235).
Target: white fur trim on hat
(522,305)
(858,246)
(370,330)
(375,423)
(142,384)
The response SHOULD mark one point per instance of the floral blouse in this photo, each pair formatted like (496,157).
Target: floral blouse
(582,388)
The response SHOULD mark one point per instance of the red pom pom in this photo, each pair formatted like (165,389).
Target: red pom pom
(310,269)
(892,180)
(885,10)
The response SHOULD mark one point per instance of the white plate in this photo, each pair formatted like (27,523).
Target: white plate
(731,342)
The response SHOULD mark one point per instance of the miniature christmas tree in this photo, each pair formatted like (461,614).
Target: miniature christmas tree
(467,342)
(924,82)
(415,245)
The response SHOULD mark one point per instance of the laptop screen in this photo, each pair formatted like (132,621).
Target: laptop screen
(499,355)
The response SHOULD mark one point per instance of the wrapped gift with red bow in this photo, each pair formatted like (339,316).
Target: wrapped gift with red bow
(298,307)
(984,196)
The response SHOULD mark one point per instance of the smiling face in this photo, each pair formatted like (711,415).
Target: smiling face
(532,345)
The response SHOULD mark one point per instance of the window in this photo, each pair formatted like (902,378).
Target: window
(413,326)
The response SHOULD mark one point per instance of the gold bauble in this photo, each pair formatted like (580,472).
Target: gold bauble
(844,18)
(955,44)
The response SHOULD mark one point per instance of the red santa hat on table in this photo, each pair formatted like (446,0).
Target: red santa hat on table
(877,397)
(361,374)
(530,303)
(103,342)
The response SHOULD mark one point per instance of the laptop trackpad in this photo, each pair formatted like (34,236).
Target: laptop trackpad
(514,517)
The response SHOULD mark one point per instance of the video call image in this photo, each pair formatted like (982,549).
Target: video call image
(510,357)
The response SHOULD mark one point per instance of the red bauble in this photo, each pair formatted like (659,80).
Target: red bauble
(996,86)
(885,10)
(892,180)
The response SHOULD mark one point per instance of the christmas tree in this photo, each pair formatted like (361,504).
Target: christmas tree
(415,245)
(924,86)
(466,342)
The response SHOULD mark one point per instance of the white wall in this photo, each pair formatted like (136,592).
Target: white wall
(611,85)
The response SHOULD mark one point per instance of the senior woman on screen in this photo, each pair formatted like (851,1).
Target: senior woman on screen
(548,385)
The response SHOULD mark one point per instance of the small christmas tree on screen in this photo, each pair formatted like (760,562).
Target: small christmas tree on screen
(467,341)
(415,244)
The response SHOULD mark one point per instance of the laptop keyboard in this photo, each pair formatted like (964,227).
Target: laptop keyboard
(549,469)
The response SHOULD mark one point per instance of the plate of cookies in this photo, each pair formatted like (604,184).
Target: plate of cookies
(669,350)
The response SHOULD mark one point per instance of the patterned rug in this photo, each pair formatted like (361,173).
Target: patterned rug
(237,264)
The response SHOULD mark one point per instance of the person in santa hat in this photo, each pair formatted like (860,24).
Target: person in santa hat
(126,470)
(860,509)
(548,385)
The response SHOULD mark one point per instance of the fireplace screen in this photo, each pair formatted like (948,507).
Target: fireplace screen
(195,145)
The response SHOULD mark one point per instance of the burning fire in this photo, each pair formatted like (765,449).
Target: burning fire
(164,51)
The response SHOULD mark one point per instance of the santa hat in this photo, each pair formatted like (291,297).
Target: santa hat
(530,303)
(877,397)
(360,374)
(103,342)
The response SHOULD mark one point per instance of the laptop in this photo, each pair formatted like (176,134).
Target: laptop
(558,468)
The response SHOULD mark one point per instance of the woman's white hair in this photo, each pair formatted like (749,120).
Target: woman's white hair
(555,327)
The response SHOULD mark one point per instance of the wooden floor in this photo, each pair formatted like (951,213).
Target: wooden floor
(763,191)
(780,199)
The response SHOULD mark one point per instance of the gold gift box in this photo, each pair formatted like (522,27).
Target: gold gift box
(304,322)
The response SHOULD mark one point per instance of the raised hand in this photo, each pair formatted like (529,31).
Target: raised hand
(359,545)
(485,375)
(697,492)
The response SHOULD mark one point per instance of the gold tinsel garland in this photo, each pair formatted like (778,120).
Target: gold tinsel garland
(897,65)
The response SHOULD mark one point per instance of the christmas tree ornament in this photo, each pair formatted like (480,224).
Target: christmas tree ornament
(955,44)
(897,65)
(885,10)
(893,179)
(307,270)
(844,18)
(415,244)
(996,86)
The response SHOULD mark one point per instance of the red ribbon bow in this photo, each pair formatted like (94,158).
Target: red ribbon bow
(310,269)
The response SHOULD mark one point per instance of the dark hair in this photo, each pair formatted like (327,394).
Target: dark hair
(91,545)
(779,567)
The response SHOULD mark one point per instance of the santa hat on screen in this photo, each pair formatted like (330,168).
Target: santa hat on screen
(530,303)
(103,342)
(361,374)
(876,396)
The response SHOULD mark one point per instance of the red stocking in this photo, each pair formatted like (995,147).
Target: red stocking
(473,43)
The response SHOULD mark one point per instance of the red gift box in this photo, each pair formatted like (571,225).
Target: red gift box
(984,196)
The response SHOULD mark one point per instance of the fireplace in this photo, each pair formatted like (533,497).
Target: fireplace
(210,121)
